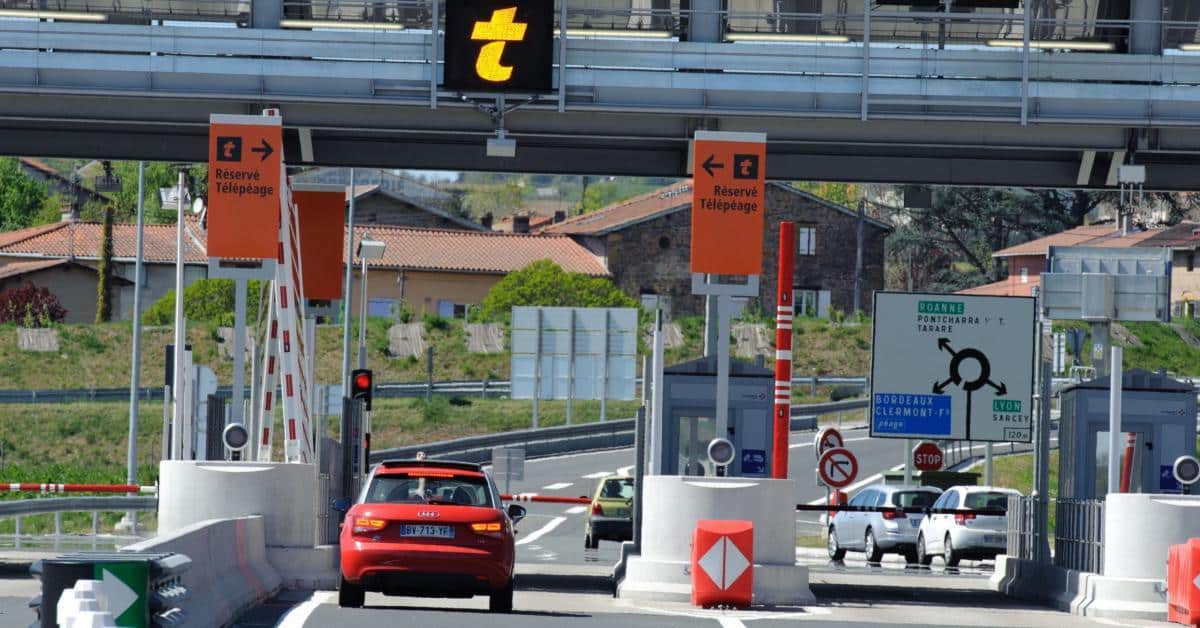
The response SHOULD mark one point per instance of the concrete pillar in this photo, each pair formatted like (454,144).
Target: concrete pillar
(265,13)
(1145,33)
(706,22)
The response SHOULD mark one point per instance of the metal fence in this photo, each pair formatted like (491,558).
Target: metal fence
(19,509)
(1079,534)
(1022,542)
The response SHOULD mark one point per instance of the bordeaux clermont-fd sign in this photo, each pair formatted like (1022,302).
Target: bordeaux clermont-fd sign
(499,45)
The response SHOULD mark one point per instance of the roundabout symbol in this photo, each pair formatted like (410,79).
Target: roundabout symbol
(955,376)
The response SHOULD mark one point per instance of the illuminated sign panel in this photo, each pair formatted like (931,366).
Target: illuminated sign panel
(499,46)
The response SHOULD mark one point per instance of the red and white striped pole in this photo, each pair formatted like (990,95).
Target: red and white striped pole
(783,352)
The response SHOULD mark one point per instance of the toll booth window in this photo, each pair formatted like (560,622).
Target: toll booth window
(413,489)
(617,489)
(913,499)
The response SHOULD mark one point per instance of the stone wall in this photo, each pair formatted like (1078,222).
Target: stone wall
(653,256)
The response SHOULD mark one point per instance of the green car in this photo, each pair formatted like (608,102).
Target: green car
(611,516)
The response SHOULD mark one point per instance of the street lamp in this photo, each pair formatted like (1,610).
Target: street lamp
(368,249)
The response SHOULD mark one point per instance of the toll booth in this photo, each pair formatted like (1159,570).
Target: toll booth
(689,403)
(1159,412)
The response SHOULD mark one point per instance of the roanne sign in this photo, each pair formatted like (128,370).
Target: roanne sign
(952,367)
(728,202)
(244,173)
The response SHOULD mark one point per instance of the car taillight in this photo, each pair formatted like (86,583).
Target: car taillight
(963,517)
(364,525)
(894,514)
(493,528)
(596,509)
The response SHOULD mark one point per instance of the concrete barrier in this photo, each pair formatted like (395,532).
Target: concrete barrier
(1140,528)
(230,572)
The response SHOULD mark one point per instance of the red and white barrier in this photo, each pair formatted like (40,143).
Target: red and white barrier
(34,487)
(783,352)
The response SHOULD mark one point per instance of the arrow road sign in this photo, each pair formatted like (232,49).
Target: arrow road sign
(244,186)
(125,585)
(728,203)
(709,166)
(265,149)
(837,467)
(982,379)
(828,438)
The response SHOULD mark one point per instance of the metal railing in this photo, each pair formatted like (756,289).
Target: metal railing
(1079,534)
(1021,527)
(21,508)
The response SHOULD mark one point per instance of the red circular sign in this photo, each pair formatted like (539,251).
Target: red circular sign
(837,467)
(827,439)
(927,457)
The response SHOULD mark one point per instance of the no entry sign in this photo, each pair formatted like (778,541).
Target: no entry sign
(928,457)
(837,467)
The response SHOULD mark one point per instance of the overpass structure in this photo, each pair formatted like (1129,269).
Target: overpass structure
(888,94)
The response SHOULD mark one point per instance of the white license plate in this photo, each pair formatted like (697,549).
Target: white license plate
(993,538)
(438,532)
(622,512)
(915,523)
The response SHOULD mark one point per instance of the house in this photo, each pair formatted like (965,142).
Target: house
(444,272)
(1026,261)
(26,255)
(59,183)
(376,205)
(645,243)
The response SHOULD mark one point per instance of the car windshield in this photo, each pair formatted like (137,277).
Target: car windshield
(444,488)
(987,500)
(617,489)
(913,499)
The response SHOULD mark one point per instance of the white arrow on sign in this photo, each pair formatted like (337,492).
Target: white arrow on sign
(724,563)
(1197,582)
(120,596)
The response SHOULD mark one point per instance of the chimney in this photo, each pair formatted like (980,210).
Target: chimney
(520,223)
(486,221)
(68,212)
(559,216)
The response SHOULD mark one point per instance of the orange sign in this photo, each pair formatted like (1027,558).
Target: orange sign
(244,171)
(728,202)
(322,210)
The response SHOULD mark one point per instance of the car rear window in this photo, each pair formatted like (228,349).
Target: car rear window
(913,499)
(401,488)
(617,489)
(987,500)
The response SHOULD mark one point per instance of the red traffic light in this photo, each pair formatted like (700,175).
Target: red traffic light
(362,382)
(361,387)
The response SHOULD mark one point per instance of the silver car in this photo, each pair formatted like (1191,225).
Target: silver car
(877,533)
(966,534)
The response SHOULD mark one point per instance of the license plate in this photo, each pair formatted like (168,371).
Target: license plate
(622,512)
(993,538)
(438,532)
(914,523)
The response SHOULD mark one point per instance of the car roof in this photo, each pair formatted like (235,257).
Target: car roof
(400,466)
(889,489)
(989,489)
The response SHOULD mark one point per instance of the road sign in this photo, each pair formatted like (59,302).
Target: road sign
(494,47)
(244,172)
(928,457)
(826,439)
(322,209)
(952,367)
(728,202)
(837,467)
(125,585)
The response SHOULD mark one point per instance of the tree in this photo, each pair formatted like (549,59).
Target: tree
(105,270)
(545,283)
(206,300)
(30,306)
(498,200)
(845,194)
(23,199)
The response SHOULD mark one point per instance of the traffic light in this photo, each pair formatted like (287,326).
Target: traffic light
(361,386)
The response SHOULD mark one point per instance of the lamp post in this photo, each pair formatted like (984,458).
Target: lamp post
(368,249)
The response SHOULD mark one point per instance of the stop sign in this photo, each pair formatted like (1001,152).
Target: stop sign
(927,457)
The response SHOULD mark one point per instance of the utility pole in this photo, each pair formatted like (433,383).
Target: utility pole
(858,256)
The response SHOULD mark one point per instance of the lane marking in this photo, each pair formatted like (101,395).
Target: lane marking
(597,475)
(810,444)
(576,510)
(299,615)
(730,622)
(625,470)
(557,486)
(542,531)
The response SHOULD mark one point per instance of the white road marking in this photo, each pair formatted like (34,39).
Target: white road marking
(298,616)
(625,470)
(557,486)
(575,510)
(810,444)
(542,531)
(730,622)
(597,475)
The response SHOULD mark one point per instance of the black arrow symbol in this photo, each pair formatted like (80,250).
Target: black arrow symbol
(709,165)
(944,345)
(939,388)
(265,149)
(1002,389)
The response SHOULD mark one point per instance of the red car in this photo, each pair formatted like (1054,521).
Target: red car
(431,529)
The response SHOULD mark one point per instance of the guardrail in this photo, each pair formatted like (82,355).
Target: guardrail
(18,509)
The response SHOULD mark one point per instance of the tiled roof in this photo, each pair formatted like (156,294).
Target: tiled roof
(474,251)
(1106,235)
(82,240)
(1011,287)
(16,269)
(363,191)
(536,223)
(39,165)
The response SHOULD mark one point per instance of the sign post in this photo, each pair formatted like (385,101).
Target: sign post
(952,367)
(728,205)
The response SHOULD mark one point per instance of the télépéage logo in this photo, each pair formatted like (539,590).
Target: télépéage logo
(499,30)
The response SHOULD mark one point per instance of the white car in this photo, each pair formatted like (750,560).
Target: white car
(966,534)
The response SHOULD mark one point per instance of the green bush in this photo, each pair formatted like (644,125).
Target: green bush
(436,410)
(544,283)
(434,321)
(206,300)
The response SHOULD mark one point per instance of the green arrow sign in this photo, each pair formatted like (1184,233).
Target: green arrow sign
(125,584)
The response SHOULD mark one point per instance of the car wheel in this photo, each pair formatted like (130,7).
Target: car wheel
(502,601)
(836,551)
(923,556)
(874,554)
(952,557)
(592,542)
(350,595)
